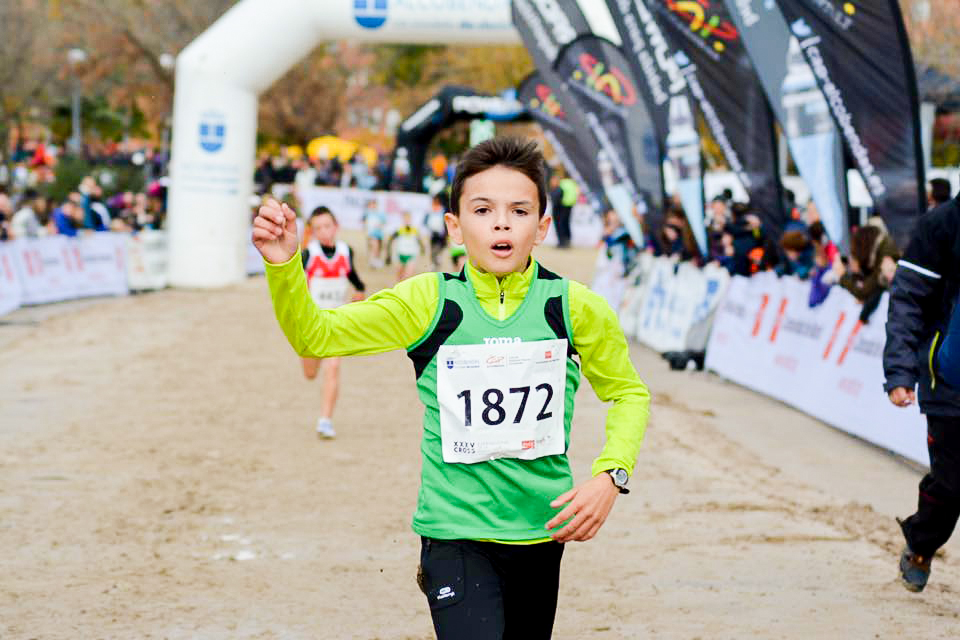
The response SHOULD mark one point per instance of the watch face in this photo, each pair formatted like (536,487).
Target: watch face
(620,477)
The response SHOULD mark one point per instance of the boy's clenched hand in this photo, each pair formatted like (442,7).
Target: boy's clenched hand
(275,232)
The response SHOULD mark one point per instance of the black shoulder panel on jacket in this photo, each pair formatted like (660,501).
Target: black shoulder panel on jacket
(462,277)
(553,312)
(545,274)
(450,319)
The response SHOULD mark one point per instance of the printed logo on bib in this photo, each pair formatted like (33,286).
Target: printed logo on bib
(502,400)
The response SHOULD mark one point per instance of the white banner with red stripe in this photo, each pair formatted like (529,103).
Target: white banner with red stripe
(821,360)
(102,259)
(11,289)
(47,269)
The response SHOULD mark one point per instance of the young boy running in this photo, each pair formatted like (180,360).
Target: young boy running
(374,222)
(405,245)
(495,351)
(329,267)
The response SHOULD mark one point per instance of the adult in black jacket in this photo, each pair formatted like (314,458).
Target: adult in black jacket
(922,297)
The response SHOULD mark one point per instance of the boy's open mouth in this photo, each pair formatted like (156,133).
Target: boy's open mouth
(502,249)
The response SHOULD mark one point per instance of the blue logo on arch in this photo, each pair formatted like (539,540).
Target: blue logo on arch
(370,14)
(213,131)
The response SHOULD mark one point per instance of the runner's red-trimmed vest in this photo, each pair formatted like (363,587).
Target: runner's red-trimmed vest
(327,277)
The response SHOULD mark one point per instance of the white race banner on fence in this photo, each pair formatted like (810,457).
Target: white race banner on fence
(47,269)
(586,228)
(671,306)
(821,360)
(11,290)
(348,205)
(102,260)
(147,260)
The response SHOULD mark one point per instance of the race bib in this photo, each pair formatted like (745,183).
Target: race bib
(501,400)
(329,293)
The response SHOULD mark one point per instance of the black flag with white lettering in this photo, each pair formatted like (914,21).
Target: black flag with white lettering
(546,27)
(599,77)
(725,87)
(541,102)
(665,91)
(861,58)
(544,34)
(801,108)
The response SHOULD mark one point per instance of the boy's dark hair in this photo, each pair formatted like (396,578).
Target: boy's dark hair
(511,152)
(322,211)
(940,190)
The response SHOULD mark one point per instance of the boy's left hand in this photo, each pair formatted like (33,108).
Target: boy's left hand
(589,505)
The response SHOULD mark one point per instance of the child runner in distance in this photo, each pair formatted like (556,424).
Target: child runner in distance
(406,246)
(497,351)
(435,224)
(328,264)
(374,222)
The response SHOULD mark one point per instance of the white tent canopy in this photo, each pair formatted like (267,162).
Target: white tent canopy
(219,77)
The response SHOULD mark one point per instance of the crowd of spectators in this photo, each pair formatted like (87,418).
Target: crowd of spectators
(90,205)
(738,240)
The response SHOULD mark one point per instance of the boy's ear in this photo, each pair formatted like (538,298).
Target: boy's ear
(453,227)
(543,225)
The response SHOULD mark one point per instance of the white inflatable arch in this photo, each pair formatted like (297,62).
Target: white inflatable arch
(218,79)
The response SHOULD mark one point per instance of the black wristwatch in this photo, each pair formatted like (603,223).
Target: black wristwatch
(620,479)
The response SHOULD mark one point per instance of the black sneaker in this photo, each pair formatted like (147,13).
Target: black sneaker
(914,570)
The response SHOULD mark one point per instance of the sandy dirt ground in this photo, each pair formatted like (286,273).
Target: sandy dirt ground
(160,478)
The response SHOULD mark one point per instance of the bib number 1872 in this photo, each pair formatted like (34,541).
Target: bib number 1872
(494,413)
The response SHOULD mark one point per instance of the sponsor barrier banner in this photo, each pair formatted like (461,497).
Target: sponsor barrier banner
(821,360)
(672,305)
(101,264)
(348,205)
(147,260)
(56,268)
(46,267)
(11,289)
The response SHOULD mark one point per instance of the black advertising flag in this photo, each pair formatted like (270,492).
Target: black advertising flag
(861,59)
(541,102)
(599,77)
(545,29)
(665,91)
(725,87)
(799,105)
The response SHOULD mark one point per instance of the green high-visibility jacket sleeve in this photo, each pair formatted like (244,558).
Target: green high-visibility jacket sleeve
(390,319)
(605,363)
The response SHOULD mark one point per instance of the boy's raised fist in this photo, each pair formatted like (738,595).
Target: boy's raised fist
(275,232)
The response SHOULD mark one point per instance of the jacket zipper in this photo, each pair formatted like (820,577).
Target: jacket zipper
(503,309)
